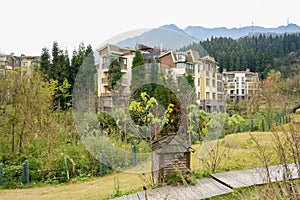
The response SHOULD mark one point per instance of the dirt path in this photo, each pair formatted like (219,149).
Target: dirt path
(100,188)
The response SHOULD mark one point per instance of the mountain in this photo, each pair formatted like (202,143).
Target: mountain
(201,33)
(171,37)
(168,36)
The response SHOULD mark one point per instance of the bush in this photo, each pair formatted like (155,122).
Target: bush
(12,176)
(202,173)
(177,177)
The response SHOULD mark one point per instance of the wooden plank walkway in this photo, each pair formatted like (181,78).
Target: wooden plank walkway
(220,183)
(258,176)
(205,188)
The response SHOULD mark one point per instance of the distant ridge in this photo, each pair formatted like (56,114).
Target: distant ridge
(172,37)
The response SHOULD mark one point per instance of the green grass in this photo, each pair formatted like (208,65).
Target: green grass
(240,151)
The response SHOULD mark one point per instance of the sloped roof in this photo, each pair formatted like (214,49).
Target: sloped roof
(171,143)
(194,54)
(208,58)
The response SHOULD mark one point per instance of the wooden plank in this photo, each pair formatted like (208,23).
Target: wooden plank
(207,187)
(258,176)
(188,193)
(159,193)
(239,179)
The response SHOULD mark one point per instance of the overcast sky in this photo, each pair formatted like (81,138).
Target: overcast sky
(29,25)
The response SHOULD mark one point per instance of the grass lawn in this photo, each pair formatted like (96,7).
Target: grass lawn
(99,188)
(240,151)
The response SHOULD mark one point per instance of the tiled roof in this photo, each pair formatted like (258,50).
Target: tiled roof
(171,143)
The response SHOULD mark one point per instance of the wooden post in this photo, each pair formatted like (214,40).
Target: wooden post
(1,174)
(276,120)
(102,165)
(67,169)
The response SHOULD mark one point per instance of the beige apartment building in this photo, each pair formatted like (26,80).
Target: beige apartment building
(240,85)
(13,62)
(208,82)
(106,54)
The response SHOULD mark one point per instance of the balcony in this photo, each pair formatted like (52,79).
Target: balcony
(123,81)
(123,67)
(106,94)
(219,77)
(105,66)
(104,80)
(232,85)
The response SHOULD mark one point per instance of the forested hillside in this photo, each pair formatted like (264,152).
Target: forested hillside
(260,53)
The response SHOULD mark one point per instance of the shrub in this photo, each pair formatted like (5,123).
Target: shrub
(177,178)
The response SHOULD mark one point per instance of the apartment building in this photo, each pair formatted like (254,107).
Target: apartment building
(211,94)
(107,53)
(208,82)
(240,85)
(11,62)
(125,56)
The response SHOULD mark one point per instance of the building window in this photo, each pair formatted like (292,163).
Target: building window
(219,97)
(198,95)
(181,58)
(243,91)
(105,60)
(198,81)
(207,95)
(207,67)
(243,79)
(207,82)
(214,96)
(123,60)
(214,83)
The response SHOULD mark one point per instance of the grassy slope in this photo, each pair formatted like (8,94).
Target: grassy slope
(100,188)
(242,155)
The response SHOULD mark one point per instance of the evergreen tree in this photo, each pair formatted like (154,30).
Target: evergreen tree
(45,62)
(114,74)
(137,75)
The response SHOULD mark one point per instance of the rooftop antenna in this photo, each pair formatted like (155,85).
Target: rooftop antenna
(288,21)
(252,27)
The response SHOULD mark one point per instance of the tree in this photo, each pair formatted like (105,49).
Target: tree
(146,113)
(84,91)
(45,62)
(114,74)
(29,101)
(198,120)
(137,75)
